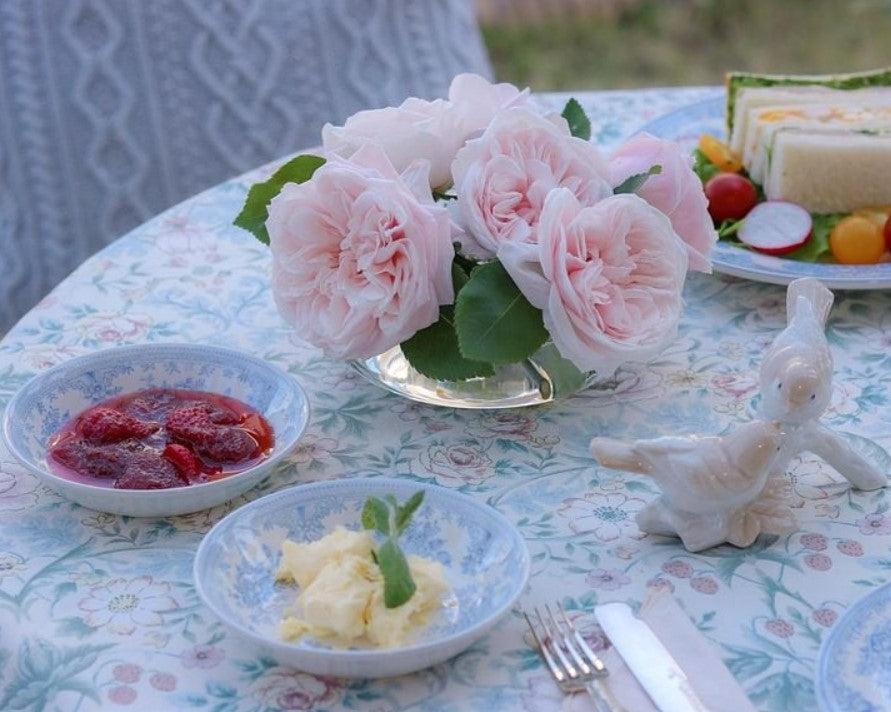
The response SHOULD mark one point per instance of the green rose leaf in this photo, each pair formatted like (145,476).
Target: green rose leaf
(565,377)
(579,123)
(633,183)
(495,323)
(255,211)
(434,352)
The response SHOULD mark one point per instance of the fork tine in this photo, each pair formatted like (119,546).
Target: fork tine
(555,669)
(557,644)
(566,639)
(593,659)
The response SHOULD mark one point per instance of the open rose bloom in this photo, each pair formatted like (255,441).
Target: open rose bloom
(421,213)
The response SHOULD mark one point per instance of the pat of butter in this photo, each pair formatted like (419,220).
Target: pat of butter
(342,592)
(303,562)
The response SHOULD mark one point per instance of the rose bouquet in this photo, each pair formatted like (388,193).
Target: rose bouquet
(472,231)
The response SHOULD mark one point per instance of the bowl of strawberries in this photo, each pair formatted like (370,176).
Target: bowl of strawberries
(156,429)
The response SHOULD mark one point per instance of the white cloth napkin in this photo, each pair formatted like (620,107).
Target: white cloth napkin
(699,660)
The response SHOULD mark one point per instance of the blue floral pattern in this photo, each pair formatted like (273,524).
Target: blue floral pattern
(100,612)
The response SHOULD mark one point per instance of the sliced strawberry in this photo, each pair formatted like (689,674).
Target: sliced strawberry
(224,416)
(92,460)
(151,405)
(103,425)
(148,471)
(228,445)
(186,462)
(191,423)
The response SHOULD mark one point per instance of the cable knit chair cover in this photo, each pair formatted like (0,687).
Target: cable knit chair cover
(112,110)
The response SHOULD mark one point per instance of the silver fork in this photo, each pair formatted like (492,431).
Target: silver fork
(569,658)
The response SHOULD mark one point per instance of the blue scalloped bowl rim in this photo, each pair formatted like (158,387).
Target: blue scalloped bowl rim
(837,688)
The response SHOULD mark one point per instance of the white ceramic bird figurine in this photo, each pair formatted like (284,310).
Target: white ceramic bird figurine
(796,385)
(708,483)
(796,373)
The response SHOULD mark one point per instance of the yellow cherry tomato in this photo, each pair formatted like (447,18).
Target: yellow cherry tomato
(857,240)
(720,154)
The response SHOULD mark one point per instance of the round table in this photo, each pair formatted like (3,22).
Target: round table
(99,611)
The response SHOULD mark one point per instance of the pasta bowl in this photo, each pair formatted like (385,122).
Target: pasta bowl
(484,557)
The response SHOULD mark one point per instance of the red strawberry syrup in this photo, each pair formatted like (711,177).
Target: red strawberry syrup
(125,442)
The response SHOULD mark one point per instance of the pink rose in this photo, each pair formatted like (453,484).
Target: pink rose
(503,177)
(475,102)
(607,277)
(361,255)
(429,130)
(414,130)
(676,191)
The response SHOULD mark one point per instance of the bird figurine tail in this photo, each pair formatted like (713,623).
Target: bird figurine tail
(817,295)
(619,455)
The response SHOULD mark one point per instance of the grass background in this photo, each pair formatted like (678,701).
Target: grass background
(554,45)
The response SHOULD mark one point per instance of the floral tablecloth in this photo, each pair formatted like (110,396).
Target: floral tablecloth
(99,611)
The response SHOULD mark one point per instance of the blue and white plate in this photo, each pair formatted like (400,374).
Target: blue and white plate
(48,401)
(485,560)
(854,670)
(685,126)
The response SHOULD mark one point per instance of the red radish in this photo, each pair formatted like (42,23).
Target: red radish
(776,227)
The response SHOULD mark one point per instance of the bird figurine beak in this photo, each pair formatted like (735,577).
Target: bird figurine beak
(800,385)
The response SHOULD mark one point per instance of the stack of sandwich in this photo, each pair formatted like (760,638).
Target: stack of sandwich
(823,142)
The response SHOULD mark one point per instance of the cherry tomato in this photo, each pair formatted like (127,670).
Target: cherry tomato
(730,197)
(857,240)
(881,216)
(720,154)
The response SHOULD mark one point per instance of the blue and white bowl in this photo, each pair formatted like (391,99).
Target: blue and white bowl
(51,399)
(484,557)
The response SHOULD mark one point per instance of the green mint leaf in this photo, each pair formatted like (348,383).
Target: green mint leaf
(376,516)
(255,211)
(398,583)
(495,323)
(633,183)
(579,123)
(405,512)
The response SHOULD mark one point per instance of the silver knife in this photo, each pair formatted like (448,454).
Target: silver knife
(648,659)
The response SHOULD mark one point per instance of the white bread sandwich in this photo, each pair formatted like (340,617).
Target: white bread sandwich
(827,171)
(823,142)
(767,123)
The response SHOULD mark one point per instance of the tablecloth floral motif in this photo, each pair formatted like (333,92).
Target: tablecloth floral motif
(99,611)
